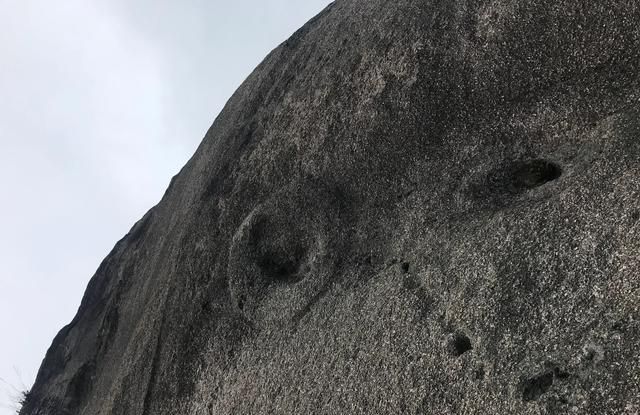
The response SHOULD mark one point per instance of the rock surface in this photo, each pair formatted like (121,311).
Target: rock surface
(410,207)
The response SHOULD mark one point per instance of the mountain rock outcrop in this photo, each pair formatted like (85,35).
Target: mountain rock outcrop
(410,207)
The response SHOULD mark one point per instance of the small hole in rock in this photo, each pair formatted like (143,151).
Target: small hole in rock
(479,373)
(534,173)
(459,344)
(635,216)
(405,267)
(537,386)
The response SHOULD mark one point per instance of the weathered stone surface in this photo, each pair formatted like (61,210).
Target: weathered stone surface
(416,207)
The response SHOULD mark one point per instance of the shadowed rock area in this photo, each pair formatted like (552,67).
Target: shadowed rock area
(410,207)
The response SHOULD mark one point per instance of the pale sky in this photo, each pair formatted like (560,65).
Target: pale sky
(101,103)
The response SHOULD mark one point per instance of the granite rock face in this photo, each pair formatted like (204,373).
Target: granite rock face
(410,207)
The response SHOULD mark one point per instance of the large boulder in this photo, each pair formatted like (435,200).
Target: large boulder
(410,207)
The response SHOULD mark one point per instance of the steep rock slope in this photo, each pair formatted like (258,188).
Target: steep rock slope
(421,207)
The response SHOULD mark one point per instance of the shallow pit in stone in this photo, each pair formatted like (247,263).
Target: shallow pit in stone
(459,344)
(533,173)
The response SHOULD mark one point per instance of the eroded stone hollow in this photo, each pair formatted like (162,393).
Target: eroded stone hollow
(268,257)
(533,173)
(516,178)
(278,265)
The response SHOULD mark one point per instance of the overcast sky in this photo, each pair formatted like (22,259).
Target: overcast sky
(101,102)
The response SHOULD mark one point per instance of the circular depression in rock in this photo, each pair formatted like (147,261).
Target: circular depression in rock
(276,265)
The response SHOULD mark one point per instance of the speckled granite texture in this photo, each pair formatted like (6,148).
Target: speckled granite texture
(410,207)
